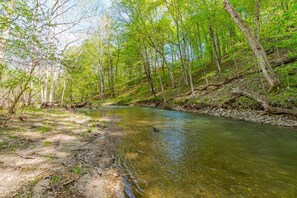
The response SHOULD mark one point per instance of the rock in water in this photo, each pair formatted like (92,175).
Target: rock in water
(155,129)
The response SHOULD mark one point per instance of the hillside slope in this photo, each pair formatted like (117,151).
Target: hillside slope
(217,98)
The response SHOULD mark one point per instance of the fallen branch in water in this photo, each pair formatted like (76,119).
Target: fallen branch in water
(263,101)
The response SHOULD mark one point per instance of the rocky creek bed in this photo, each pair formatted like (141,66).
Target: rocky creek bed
(249,115)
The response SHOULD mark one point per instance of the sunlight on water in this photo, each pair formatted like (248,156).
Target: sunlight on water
(189,155)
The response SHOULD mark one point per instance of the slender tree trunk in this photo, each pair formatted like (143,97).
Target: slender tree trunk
(181,55)
(102,81)
(111,76)
(63,92)
(215,49)
(162,89)
(149,78)
(52,87)
(258,49)
(45,95)
(147,70)
(30,95)
(191,82)
(257,20)
(12,108)
(41,93)
(168,67)
(200,48)
(160,79)
(100,87)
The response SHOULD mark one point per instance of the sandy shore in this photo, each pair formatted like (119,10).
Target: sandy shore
(55,153)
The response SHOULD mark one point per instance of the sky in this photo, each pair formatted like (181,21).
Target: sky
(79,33)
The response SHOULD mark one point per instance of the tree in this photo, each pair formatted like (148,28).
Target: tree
(258,49)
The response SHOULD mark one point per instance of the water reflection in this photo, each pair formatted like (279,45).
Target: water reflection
(200,156)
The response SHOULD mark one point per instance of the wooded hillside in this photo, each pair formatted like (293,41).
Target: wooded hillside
(164,50)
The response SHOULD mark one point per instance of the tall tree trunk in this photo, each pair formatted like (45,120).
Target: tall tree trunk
(160,79)
(45,95)
(147,69)
(219,45)
(63,92)
(111,72)
(30,95)
(200,48)
(181,54)
(258,49)
(215,49)
(52,87)
(191,82)
(257,20)
(149,78)
(165,63)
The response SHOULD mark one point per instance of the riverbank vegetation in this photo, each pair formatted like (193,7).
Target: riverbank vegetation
(206,53)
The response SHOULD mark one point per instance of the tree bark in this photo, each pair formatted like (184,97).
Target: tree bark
(258,49)
(52,87)
(257,20)
(215,50)
(63,92)
(147,70)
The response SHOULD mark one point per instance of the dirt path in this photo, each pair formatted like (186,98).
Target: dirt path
(55,153)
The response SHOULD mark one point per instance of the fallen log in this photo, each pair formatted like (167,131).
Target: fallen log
(283,61)
(79,105)
(47,105)
(263,101)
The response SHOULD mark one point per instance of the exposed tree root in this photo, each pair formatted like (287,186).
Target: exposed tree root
(263,101)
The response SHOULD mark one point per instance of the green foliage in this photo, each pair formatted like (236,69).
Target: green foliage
(78,170)
(55,179)
(137,42)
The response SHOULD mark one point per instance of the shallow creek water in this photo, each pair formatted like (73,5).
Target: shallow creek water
(190,155)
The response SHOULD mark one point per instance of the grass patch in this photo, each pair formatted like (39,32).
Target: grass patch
(78,170)
(2,145)
(34,181)
(55,179)
(45,129)
(49,157)
(47,143)
(55,111)
(89,130)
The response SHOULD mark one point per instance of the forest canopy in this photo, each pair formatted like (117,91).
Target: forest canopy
(163,45)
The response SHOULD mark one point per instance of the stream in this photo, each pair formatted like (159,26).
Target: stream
(175,154)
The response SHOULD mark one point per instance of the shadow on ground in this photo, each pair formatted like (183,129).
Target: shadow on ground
(58,154)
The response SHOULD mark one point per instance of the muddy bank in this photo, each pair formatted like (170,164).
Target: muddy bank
(249,115)
(54,153)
